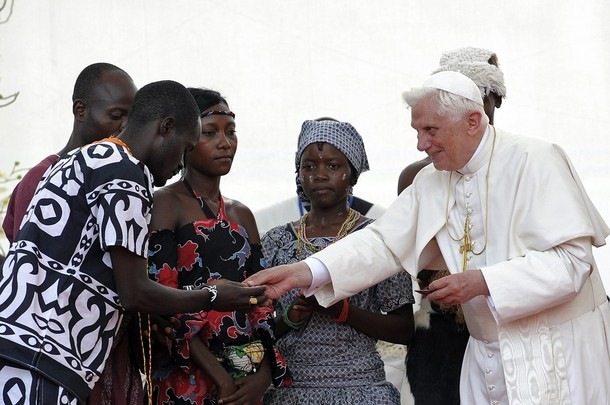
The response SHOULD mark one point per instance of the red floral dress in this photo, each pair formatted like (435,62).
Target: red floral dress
(211,249)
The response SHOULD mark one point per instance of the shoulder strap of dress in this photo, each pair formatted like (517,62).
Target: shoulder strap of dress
(221,209)
(204,207)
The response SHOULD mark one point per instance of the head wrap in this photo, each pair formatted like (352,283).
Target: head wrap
(474,63)
(341,135)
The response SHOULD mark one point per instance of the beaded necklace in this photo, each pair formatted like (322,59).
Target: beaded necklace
(303,242)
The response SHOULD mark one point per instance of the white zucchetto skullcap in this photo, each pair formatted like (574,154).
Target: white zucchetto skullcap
(455,83)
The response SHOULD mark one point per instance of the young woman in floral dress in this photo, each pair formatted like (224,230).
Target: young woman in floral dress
(202,237)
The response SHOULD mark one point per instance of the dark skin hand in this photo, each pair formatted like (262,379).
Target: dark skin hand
(250,389)
(140,294)
(162,328)
(394,327)
(203,358)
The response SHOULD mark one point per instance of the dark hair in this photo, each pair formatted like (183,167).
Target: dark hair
(163,99)
(88,79)
(493,60)
(326,119)
(206,98)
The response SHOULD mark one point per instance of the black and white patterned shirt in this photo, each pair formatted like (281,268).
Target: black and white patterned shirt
(59,308)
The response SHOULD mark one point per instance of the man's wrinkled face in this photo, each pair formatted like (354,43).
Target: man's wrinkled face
(444,139)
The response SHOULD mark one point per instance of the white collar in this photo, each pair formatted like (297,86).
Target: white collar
(480,157)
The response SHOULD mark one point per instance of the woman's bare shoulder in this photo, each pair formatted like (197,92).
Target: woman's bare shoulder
(166,208)
(240,213)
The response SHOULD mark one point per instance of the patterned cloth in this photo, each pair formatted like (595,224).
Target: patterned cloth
(120,382)
(331,362)
(210,249)
(343,136)
(59,308)
(25,387)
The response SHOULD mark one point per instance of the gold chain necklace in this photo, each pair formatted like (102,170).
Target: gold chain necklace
(467,246)
(302,242)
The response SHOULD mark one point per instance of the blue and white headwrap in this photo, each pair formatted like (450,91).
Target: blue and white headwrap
(342,135)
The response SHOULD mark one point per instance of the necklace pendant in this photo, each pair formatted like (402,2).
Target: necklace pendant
(464,250)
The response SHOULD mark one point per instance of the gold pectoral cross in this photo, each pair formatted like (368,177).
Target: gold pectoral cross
(467,246)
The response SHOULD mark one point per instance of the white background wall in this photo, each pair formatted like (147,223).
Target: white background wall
(279,62)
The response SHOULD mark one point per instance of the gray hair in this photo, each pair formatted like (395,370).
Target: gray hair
(448,104)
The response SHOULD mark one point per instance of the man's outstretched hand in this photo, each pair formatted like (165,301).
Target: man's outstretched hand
(233,296)
(281,279)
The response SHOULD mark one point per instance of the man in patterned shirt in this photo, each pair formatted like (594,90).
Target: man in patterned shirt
(79,260)
(101,101)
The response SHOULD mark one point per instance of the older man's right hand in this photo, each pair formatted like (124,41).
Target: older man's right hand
(281,279)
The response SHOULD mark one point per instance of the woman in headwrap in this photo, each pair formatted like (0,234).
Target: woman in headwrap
(331,351)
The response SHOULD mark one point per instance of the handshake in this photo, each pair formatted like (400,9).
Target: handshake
(233,296)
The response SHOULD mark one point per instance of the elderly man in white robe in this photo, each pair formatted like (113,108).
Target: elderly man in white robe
(509,218)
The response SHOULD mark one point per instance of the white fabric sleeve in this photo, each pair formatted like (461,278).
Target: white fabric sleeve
(319,274)
(547,278)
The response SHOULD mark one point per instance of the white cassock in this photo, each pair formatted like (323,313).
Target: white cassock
(543,334)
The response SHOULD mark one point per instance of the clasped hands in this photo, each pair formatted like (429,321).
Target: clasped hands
(234,296)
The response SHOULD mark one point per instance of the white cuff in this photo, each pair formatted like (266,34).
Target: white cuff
(490,300)
(319,275)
